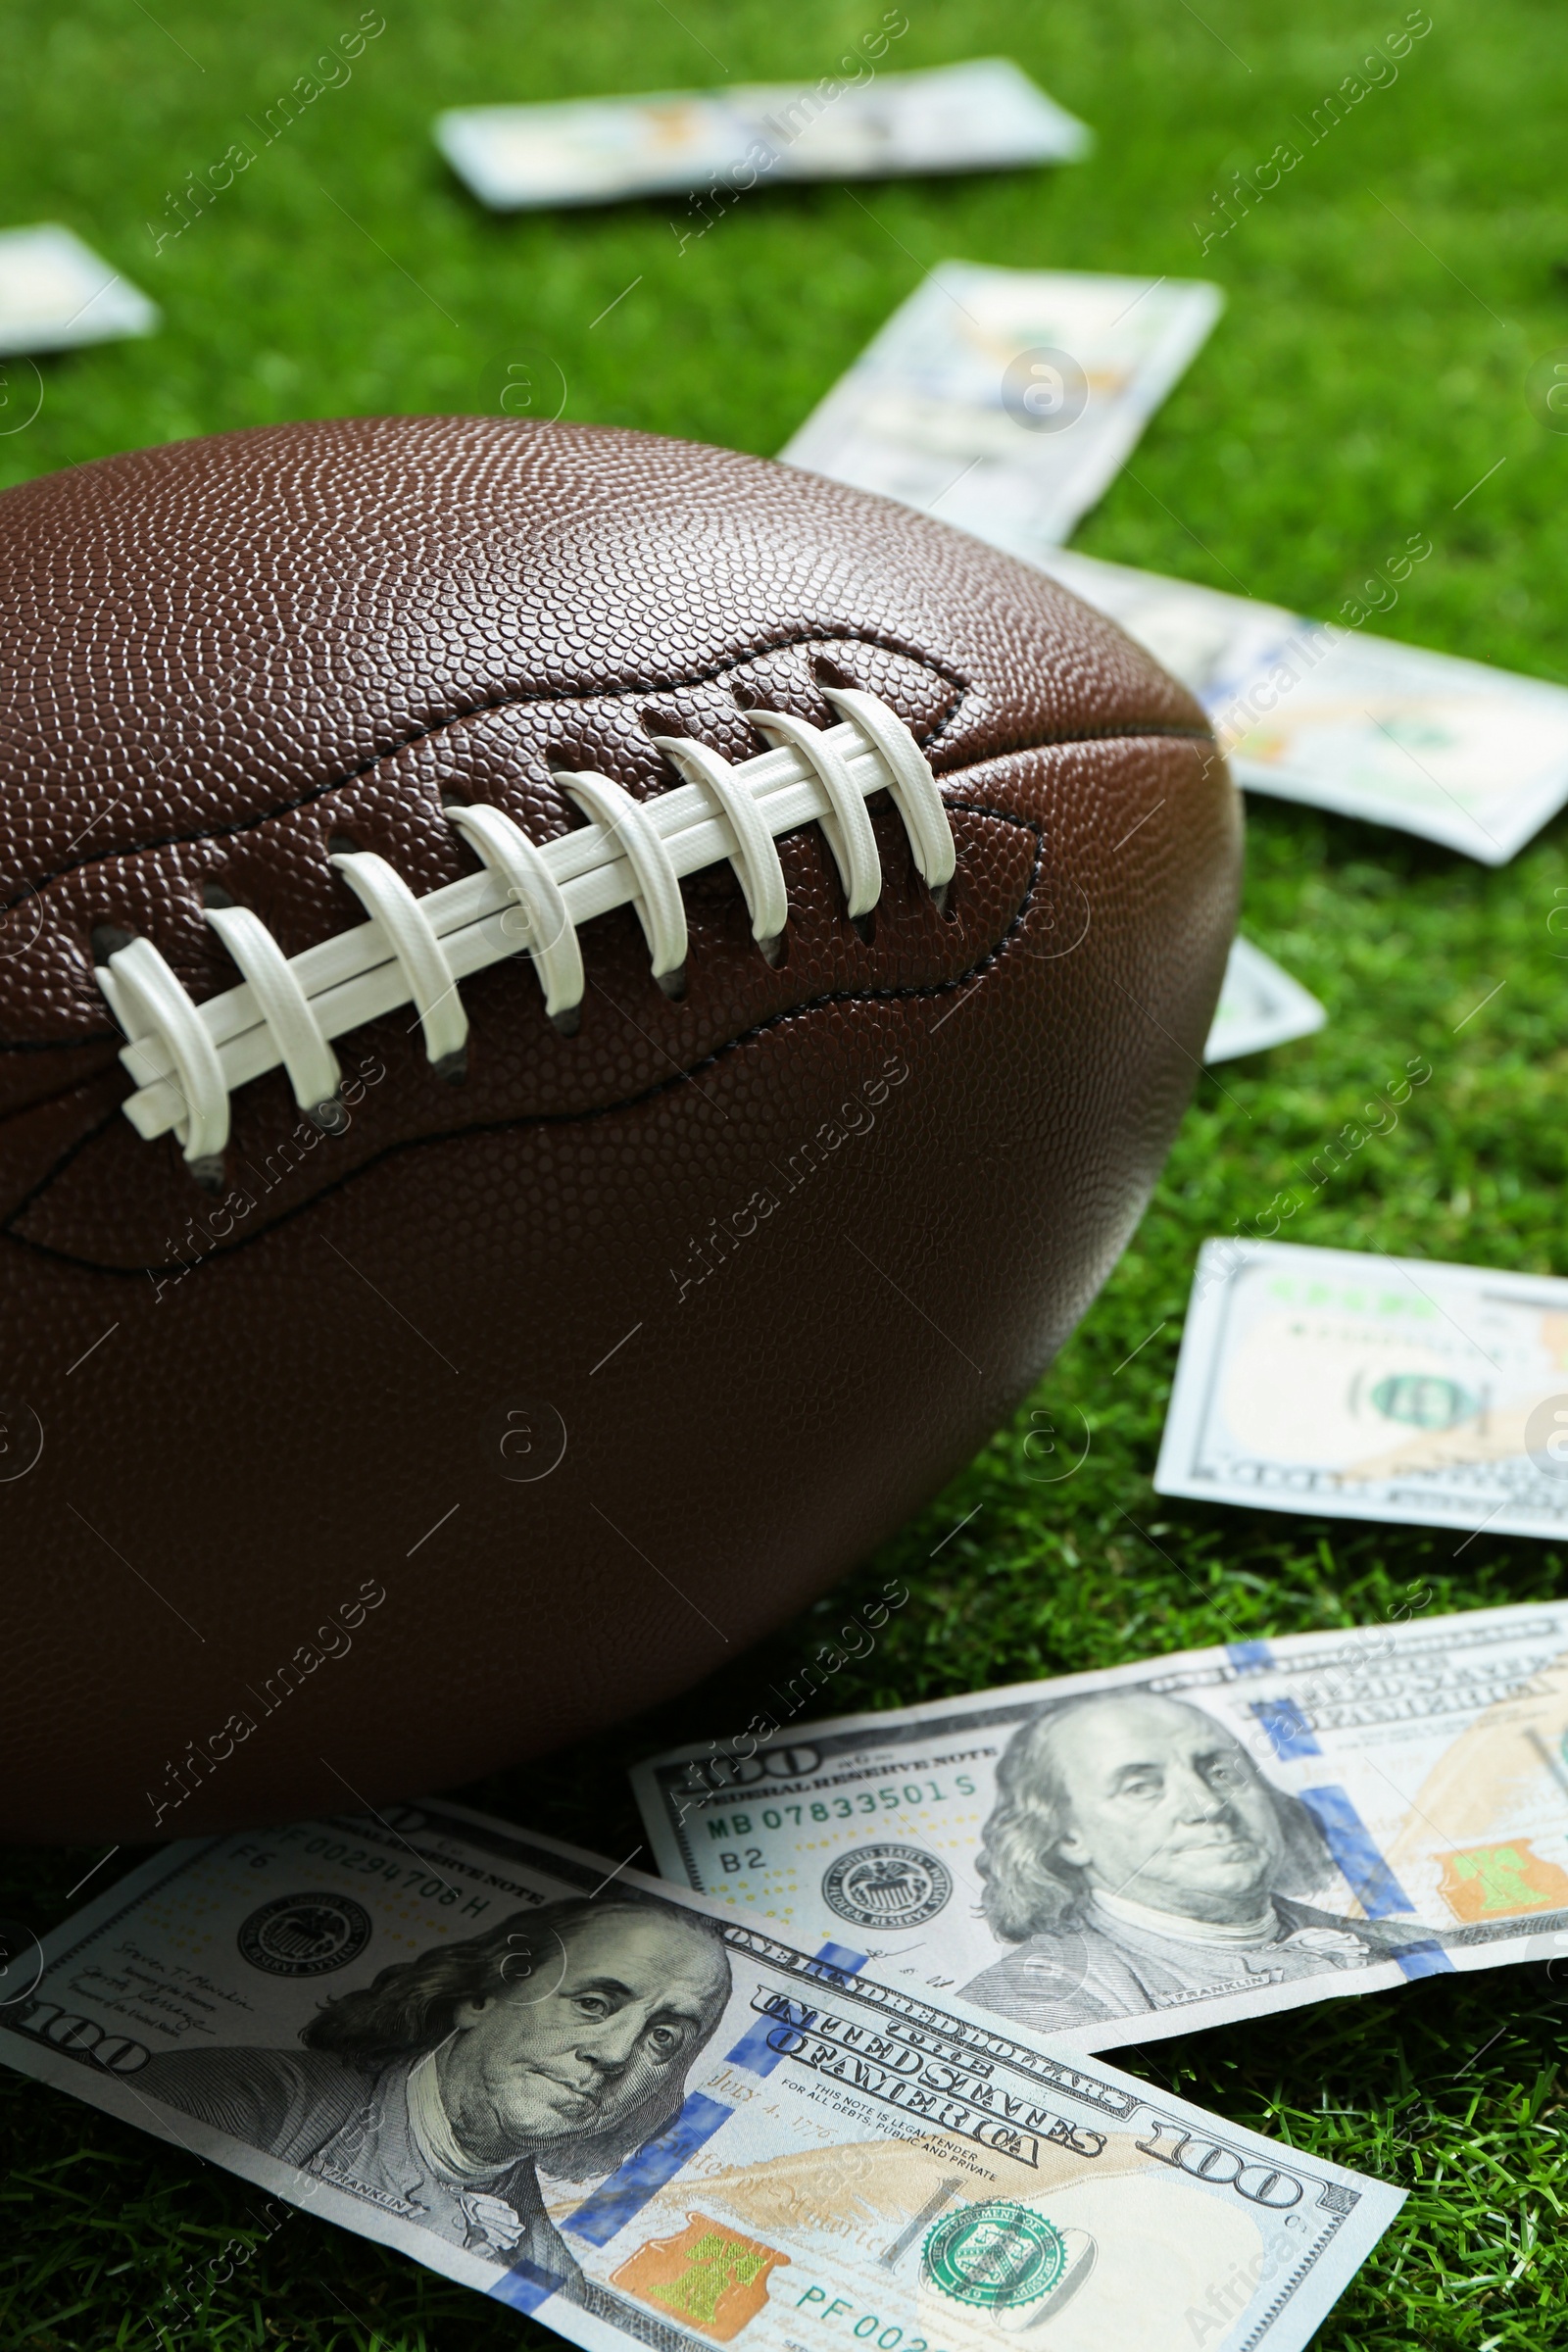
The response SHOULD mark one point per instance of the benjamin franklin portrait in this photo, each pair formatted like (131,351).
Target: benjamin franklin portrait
(1138,1860)
(564,2035)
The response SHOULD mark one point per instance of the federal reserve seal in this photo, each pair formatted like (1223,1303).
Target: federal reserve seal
(886,1886)
(305,1934)
(997,2255)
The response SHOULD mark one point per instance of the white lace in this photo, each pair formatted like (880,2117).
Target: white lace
(186,1058)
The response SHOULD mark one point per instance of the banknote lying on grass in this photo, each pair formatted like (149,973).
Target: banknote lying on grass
(1331,715)
(1186,1842)
(983,114)
(594,2098)
(1371,1387)
(1004,401)
(56,292)
(1260,1006)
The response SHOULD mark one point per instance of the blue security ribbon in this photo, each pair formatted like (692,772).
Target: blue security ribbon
(526,2284)
(1289,1731)
(754,2050)
(1351,1842)
(601,2217)
(1249,1657)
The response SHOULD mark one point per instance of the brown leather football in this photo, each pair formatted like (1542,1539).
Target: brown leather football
(590,1135)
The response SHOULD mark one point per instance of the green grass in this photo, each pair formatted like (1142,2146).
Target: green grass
(1386,306)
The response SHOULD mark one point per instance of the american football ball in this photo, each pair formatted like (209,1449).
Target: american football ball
(581,1015)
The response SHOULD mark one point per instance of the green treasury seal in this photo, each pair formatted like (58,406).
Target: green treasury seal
(998,2255)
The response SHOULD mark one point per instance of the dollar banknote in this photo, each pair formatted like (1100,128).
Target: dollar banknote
(857,125)
(55,292)
(1335,715)
(1004,401)
(1260,1006)
(1371,1387)
(1185,1842)
(647,2119)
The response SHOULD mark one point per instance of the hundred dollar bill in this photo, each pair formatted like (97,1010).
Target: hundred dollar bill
(1260,1006)
(56,292)
(983,114)
(1371,1387)
(1331,715)
(1005,401)
(1185,1842)
(592,2097)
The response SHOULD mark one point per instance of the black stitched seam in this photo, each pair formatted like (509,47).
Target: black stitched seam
(59,1044)
(551,1118)
(508,702)
(93,1037)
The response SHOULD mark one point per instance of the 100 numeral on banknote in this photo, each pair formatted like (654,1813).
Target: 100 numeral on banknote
(1179,1842)
(600,2100)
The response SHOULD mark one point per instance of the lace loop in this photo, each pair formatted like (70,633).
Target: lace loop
(848,829)
(186,1058)
(911,782)
(659,905)
(431,983)
(145,994)
(754,857)
(305,1053)
(549,935)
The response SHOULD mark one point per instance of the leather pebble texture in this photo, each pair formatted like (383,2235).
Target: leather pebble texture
(523,1403)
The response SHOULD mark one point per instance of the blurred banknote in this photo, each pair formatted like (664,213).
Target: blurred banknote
(984,115)
(56,292)
(1372,1388)
(1260,1006)
(1308,711)
(1197,1838)
(1004,401)
(652,2122)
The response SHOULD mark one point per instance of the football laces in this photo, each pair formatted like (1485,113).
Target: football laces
(531,898)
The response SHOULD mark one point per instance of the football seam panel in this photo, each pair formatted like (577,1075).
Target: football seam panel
(557,1118)
(506,701)
(110,1036)
(884,643)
